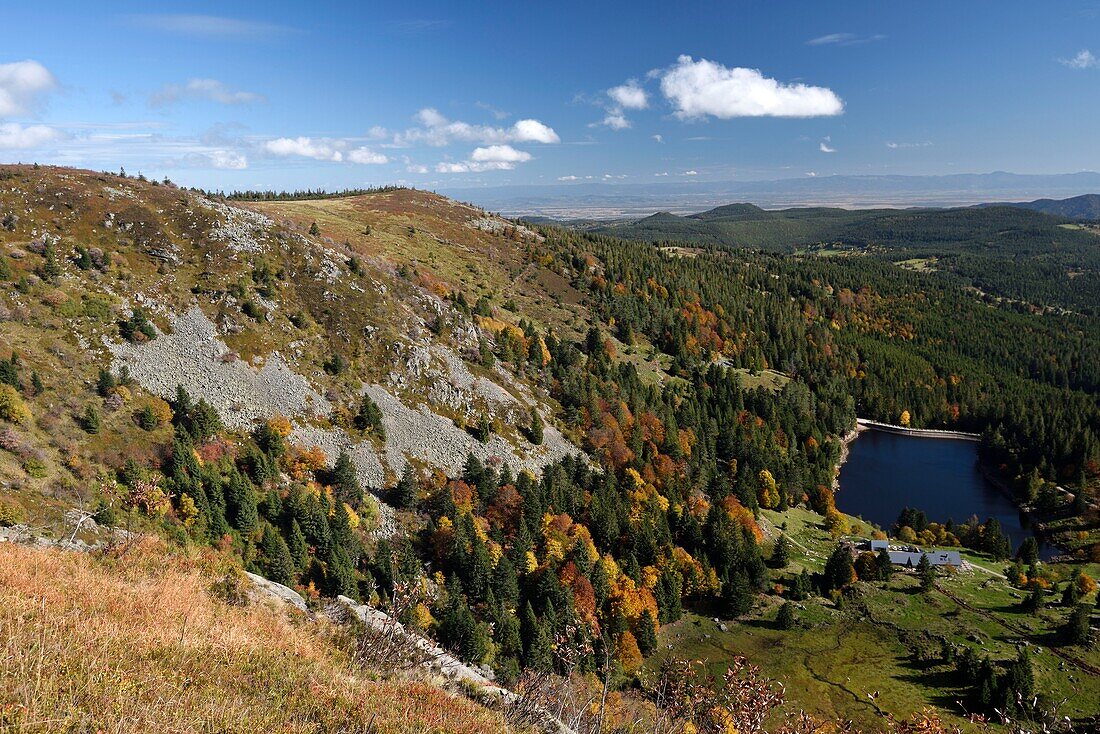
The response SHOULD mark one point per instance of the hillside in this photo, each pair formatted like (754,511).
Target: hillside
(264,321)
(136,640)
(548,450)
(1085,207)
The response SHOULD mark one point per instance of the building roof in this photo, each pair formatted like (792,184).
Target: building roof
(936,558)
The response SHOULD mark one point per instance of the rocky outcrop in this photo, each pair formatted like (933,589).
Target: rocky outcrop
(277,592)
(194,356)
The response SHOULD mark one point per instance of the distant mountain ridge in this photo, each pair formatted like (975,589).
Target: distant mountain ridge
(1084,208)
(598,200)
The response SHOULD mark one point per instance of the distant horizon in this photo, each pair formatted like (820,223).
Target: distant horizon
(337,95)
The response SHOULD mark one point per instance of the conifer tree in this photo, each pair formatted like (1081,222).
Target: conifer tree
(275,557)
(925,573)
(345,480)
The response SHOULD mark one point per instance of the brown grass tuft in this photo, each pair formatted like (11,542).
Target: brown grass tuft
(134,642)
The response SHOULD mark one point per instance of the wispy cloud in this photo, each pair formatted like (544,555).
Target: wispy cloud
(1083,60)
(416,26)
(896,146)
(323,149)
(208,89)
(658,138)
(700,89)
(497,113)
(824,147)
(22,86)
(844,39)
(208,26)
(437,130)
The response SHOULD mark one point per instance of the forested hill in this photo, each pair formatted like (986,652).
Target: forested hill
(1086,207)
(1004,251)
(539,446)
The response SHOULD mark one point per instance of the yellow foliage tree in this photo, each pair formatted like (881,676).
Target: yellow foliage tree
(904,419)
(12,407)
(1085,584)
(768,493)
(627,652)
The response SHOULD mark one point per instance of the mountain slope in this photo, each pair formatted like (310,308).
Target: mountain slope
(261,321)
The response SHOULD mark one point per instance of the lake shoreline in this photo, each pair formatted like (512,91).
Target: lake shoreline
(1028,522)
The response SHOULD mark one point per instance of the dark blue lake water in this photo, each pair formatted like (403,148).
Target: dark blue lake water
(886,472)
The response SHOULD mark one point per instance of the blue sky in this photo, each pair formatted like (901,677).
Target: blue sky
(340,94)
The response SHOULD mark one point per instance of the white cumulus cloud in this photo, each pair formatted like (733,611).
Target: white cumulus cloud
(824,147)
(209,89)
(490,158)
(320,150)
(629,96)
(616,121)
(698,89)
(437,130)
(366,156)
(500,154)
(14,135)
(22,84)
(228,159)
(1083,60)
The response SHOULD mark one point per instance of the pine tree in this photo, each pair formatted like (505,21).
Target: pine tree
(781,552)
(314,230)
(91,420)
(784,619)
(925,573)
(1071,595)
(646,634)
(1028,552)
(1076,629)
(275,557)
(885,565)
(838,569)
(535,430)
(345,481)
(405,493)
(1033,602)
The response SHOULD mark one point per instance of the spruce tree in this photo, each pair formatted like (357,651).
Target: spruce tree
(345,481)
(885,565)
(405,493)
(91,420)
(275,557)
(646,634)
(535,430)
(296,544)
(1076,629)
(781,552)
(784,619)
(926,573)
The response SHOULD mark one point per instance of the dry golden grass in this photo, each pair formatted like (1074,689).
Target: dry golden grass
(134,642)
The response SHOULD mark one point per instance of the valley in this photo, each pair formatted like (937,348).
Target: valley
(561,454)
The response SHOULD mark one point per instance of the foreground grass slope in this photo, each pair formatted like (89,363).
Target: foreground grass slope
(135,641)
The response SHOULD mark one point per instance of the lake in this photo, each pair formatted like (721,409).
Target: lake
(886,472)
